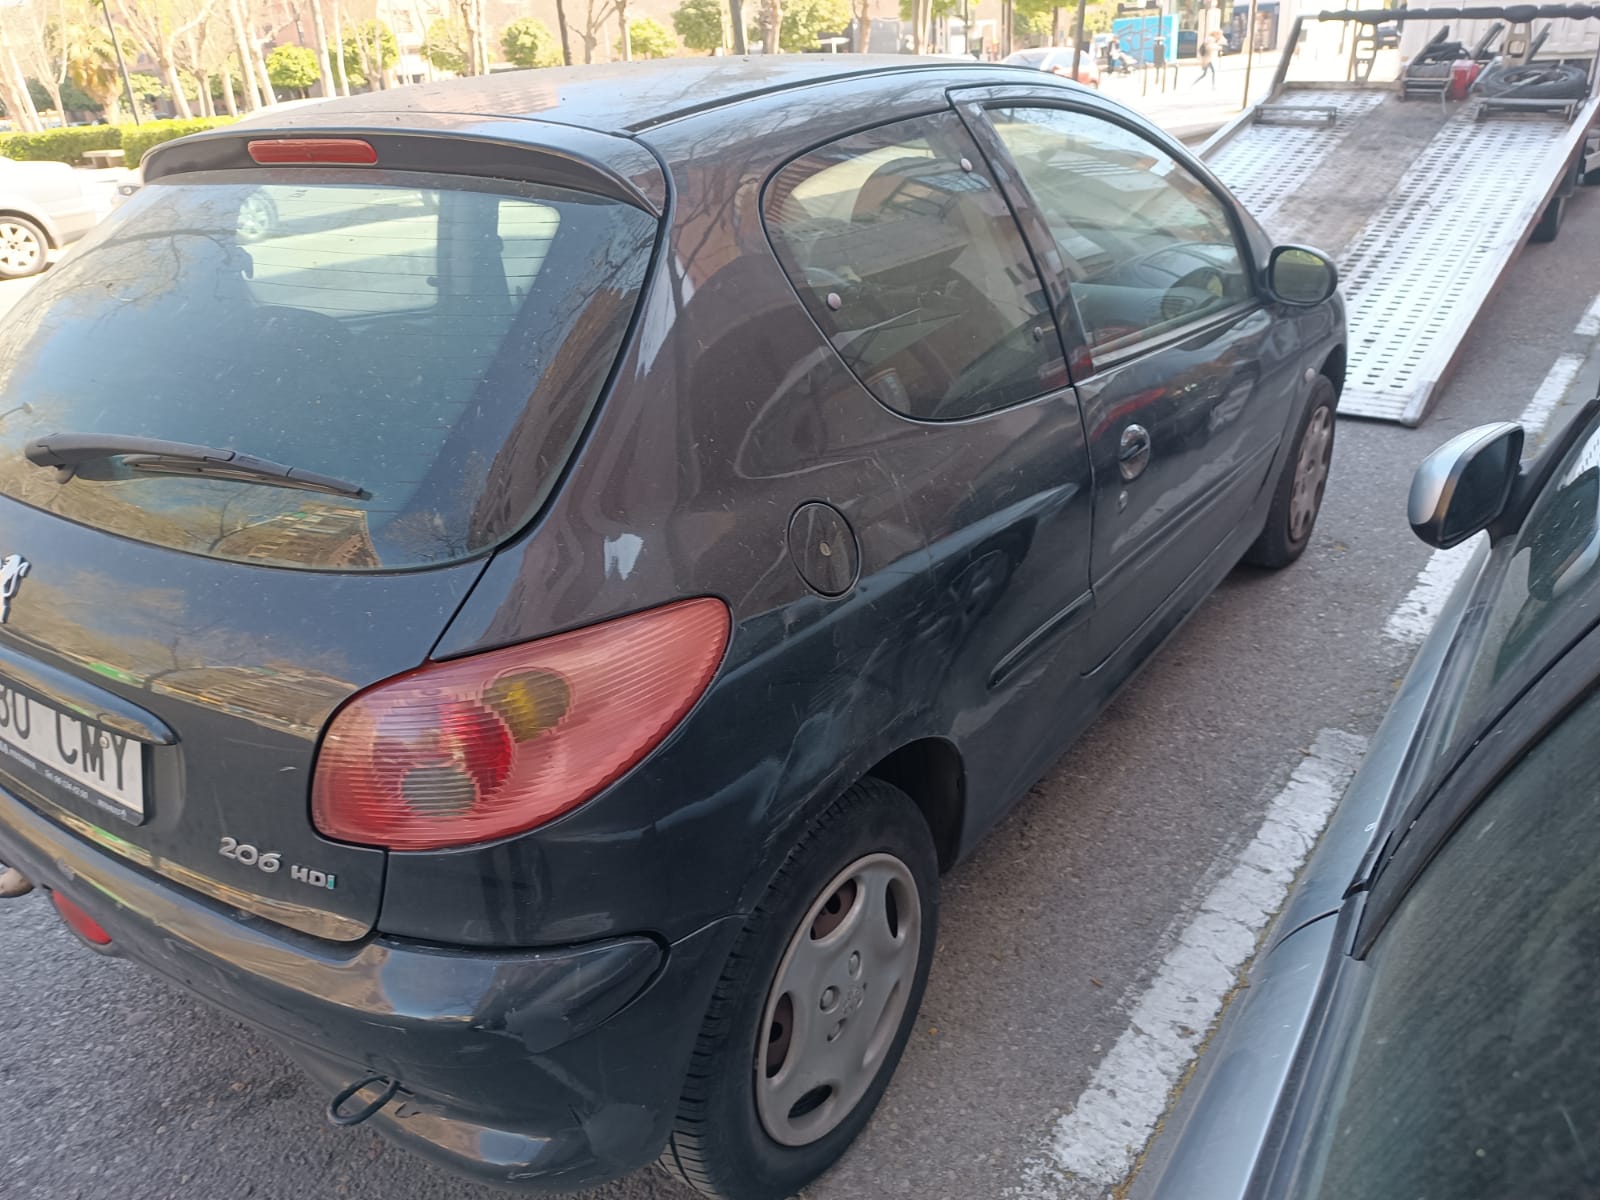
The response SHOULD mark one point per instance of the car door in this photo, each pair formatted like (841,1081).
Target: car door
(1181,382)
(906,254)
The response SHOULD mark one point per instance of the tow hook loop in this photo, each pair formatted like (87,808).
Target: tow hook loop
(335,1106)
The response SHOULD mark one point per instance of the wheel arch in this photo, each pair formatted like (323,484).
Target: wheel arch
(931,772)
(1334,368)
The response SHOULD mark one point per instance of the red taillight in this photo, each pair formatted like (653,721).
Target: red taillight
(292,151)
(79,921)
(488,746)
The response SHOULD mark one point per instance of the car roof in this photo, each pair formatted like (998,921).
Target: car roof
(617,97)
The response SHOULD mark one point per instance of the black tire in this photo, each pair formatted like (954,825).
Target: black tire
(719,1144)
(1280,543)
(1537,81)
(24,248)
(1550,222)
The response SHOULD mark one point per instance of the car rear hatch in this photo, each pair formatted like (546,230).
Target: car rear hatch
(257,438)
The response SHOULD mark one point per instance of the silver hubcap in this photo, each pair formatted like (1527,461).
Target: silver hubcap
(841,990)
(19,248)
(1310,474)
(255,218)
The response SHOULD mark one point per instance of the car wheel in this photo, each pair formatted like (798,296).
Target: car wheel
(1550,222)
(258,217)
(815,1004)
(1297,499)
(1536,81)
(24,249)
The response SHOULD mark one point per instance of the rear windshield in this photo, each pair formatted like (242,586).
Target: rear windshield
(437,342)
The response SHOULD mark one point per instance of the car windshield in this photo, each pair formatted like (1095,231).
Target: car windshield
(1470,1073)
(434,341)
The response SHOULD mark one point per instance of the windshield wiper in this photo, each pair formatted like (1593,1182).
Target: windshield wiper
(71,452)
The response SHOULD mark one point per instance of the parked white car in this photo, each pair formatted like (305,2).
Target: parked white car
(43,207)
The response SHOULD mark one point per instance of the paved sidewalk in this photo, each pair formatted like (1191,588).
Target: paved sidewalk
(1185,108)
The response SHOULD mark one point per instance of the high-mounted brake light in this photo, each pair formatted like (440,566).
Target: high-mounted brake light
(488,746)
(300,151)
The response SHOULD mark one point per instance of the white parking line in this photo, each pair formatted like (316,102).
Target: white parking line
(1409,623)
(1589,323)
(1548,394)
(1093,1146)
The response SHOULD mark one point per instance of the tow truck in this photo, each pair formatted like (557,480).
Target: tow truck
(1425,185)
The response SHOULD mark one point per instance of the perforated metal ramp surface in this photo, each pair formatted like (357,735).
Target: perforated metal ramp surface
(1427,261)
(1428,257)
(1262,164)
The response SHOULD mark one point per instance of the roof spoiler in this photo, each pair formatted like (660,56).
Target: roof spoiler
(1514,12)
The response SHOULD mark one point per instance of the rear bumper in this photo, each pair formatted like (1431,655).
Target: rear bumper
(542,1069)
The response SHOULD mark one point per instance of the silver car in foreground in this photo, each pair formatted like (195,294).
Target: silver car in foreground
(43,207)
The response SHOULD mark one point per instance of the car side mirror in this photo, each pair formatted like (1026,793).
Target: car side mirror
(1301,275)
(1463,485)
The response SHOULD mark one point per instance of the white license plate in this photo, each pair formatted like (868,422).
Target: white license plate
(92,763)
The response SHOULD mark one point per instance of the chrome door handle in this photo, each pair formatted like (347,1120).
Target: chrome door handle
(1133,454)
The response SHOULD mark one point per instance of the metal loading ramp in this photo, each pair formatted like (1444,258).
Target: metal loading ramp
(1423,205)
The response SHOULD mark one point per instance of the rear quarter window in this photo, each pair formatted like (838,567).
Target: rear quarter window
(439,342)
(908,258)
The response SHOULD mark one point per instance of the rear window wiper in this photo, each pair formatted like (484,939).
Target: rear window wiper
(71,452)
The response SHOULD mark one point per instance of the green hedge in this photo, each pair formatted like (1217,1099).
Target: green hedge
(60,145)
(136,139)
(68,145)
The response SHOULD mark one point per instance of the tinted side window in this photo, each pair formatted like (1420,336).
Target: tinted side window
(1549,580)
(1148,247)
(1472,1074)
(908,258)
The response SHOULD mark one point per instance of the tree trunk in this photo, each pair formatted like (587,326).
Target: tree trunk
(53,86)
(319,29)
(227,91)
(202,83)
(863,26)
(622,19)
(341,73)
(469,55)
(241,47)
(566,40)
(736,19)
(774,18)
(258,61)
(169,76)
(19,103)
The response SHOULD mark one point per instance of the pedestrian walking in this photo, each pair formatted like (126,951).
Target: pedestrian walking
(1207,53)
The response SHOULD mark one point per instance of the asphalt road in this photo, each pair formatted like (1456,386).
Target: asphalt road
(113,1084)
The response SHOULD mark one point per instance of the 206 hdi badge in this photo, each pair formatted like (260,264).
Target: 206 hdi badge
(12,568)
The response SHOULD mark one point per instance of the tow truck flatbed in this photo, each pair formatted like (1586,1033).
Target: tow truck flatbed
(1422,203)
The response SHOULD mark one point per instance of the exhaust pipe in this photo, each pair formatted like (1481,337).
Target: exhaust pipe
(13,883)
